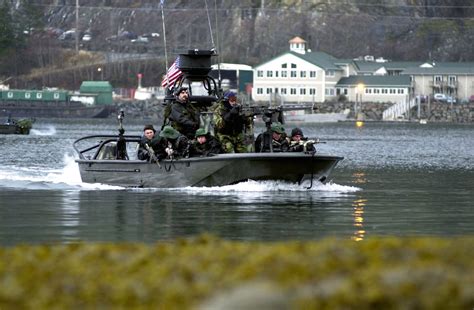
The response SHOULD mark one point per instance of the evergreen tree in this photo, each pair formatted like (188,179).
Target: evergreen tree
(7,32)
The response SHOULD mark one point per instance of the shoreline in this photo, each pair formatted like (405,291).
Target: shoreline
(369,111)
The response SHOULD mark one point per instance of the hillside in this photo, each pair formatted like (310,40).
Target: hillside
(242,31)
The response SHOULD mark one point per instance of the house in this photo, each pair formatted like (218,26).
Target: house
(303,76)
(375,88)
(299,75)
(452,79)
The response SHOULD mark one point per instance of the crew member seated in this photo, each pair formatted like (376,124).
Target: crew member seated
(205,144)
(147,147)
(173,145)
(273,141)
(299,143)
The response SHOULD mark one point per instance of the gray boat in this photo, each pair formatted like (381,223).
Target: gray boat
(222,169)
(104,158)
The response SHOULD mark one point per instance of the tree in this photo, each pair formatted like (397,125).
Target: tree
(7,32)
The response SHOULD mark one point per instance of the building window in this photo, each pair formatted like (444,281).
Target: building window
(39,95)
(293,66)
(260,73)
(284,66)
(283,91)
(259,91)
(269,91)
(56,95)
(368,91)
(330,72)
(401,91)
(345,92)
(284,73)
(269,73)
(28,95)
(384,91)
(276,90)
(302,91)
(329,91)
(452,80)
(376,91)
(10,94)
(393,91)
(312,74)
(276,73)
(302,74)
(293,73)
(438,79)
(292,91)
(312,91)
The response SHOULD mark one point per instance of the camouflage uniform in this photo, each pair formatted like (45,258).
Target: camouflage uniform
(229,126)
(280,145)
(172,140)
(209,148)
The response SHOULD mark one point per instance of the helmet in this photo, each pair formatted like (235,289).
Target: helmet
(200,132)
(169,132)
(278,128)
(297,131)
(229,94)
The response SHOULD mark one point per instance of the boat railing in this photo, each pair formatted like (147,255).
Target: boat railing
(104,145)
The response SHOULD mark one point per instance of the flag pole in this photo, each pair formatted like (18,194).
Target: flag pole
(164,42)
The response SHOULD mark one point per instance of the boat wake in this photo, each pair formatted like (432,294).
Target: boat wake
(49,131)
(252,186)
(33,178)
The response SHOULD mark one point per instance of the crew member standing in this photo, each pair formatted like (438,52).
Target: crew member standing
(230,124)
(184,116)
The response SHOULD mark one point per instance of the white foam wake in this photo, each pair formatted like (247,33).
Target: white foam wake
(49,131)
(65,178)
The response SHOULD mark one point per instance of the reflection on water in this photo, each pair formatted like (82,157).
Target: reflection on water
(358,213)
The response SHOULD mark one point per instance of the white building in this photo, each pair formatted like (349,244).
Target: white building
(299,75)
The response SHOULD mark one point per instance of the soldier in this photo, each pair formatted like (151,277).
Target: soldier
(230,124)
(205,144)
(279,142)
(299,143)
(173,145)
(184,116)
(148,144)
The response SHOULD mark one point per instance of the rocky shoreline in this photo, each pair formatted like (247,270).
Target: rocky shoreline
(433,112)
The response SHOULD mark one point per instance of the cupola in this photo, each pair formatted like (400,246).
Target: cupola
(297,45)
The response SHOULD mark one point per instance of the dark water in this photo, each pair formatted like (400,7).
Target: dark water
(396,179)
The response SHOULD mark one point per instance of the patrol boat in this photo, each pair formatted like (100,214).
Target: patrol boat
(104,158)
(18,127)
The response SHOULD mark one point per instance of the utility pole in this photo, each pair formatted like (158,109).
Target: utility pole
(77,26)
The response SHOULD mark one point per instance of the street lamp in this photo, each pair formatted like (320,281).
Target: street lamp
(101,73)
(359,90)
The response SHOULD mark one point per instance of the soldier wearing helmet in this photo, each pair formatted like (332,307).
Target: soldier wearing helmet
(230,124)
(205,144)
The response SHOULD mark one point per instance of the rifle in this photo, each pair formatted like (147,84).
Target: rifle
(152,155)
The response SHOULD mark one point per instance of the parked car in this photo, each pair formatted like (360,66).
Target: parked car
(450,99)
(440,97)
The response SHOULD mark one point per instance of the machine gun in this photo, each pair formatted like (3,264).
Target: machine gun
(269,115)
(121,143)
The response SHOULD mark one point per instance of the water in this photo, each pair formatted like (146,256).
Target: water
(396,179)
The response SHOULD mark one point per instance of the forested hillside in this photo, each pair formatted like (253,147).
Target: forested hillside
(247,31)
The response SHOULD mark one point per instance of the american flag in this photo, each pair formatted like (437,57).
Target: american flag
(172,75)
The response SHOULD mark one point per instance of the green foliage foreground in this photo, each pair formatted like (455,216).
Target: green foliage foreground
(211,273)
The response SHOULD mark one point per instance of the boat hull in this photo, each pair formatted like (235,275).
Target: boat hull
(219,170)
